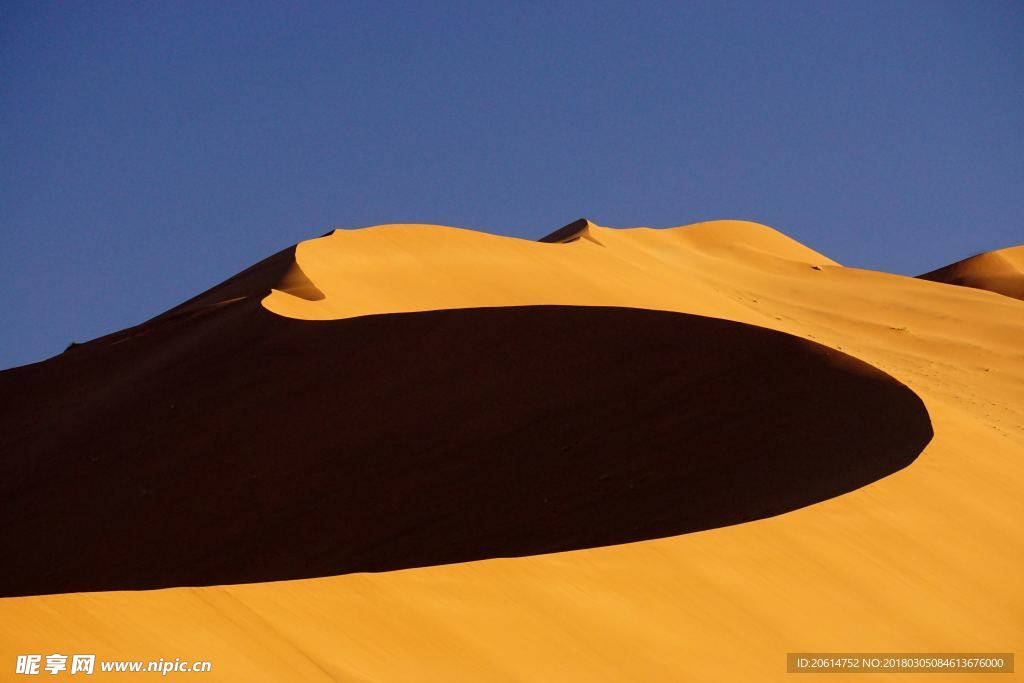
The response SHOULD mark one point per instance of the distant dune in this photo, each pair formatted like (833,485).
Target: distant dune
(612,454)
(999,271)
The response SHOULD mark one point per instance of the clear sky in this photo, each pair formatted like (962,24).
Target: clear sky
(149,150)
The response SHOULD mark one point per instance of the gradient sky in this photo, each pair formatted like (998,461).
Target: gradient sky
(150,150)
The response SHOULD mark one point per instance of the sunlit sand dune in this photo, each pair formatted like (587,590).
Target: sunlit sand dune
(398,268)
(999,271)
(724,339)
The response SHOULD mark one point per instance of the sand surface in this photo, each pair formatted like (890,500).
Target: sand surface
(926,559)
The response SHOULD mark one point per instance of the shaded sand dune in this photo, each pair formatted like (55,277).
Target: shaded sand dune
(262,448)
(1000,271)
(927,559)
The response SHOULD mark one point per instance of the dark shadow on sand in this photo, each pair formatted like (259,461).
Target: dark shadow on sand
(228,445)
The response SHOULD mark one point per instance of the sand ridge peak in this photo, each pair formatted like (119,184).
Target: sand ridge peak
(579,228)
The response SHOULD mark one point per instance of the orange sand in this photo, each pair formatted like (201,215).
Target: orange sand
(923,560)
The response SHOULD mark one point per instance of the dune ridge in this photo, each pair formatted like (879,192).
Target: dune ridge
(405,268)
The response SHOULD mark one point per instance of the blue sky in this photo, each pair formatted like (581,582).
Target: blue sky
(150,150)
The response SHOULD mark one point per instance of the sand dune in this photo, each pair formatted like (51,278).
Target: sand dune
(999,271)
(925,559)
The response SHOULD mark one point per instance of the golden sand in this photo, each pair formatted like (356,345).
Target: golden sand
(926,560)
